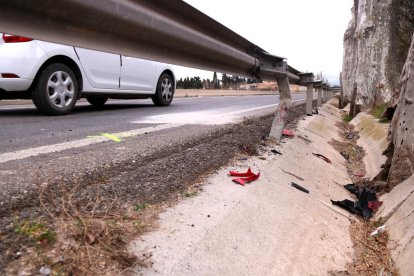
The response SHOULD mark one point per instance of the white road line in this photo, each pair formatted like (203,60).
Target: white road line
(206,117)
(21,154)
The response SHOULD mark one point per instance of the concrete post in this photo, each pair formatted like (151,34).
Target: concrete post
(282,110)
(309,98)
(307,79)
(319,97)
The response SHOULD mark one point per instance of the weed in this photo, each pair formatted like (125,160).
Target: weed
(379,222)
(189,194)
(378,112)
(384,120)
(347,118)
(35,231)
(140,206)
(140,227)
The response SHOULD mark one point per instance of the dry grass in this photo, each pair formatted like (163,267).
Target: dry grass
(371,253)
(349,147)
(249,149)
(87,240)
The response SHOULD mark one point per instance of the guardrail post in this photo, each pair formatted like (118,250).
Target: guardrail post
(309,99)
(319,104)
(282,110)
(307,79)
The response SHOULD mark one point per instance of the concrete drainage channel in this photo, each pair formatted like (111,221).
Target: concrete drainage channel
(396,214)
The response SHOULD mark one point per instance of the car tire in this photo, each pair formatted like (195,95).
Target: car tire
(55,90)
(165,91)
(97,101)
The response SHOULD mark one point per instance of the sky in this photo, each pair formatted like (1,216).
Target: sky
(309,33)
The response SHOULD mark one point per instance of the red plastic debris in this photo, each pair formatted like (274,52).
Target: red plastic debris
(288,132)
(251,178)
(359,174)
(246,174)
(245,177)
(326,159)
(374,205)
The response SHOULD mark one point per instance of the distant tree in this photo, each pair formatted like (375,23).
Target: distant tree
(224,81)
(216,82)
(191,83)
(180,83)
(197,83)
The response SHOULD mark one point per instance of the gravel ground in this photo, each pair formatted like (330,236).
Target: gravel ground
(143,169)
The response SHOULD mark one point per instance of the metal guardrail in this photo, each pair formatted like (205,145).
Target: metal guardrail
(169,31)
(163,30)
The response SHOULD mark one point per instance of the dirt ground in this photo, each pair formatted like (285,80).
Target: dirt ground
(80,223)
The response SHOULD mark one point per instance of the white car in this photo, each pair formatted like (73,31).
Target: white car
(55,76)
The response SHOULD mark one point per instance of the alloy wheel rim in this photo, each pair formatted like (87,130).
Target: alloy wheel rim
(166,88)
(60,89)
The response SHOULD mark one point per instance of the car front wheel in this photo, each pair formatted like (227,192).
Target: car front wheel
(165,91)
(56,90)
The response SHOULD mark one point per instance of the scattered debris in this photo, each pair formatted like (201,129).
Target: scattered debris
(326,159)
(244,178)
(294,175)
(276,151)
(345,155)
(246,174)
(362,206)
(297,186)
(262,158)
(305,139)
(379,230)
(287,132)
(359,174)
(45,271)
(374,205)
(351,135)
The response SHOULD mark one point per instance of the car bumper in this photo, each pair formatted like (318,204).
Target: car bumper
(15,84)
(22,60)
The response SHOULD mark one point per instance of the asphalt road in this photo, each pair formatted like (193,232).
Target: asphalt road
(24,132)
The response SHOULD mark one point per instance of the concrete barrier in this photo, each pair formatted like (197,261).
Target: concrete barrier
(373,138)
(398,214)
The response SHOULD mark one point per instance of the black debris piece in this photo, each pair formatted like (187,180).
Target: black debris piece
(276,152)
(326,159)
(297,186)
(366,204)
